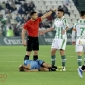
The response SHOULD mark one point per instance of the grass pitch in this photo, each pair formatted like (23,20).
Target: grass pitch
(12,56)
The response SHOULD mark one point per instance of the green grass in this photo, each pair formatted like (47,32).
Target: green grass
(12,56)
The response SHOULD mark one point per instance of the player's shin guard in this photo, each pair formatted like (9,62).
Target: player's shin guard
(53,58)
(63,60)
(79,61)
(26,57)
(35,57)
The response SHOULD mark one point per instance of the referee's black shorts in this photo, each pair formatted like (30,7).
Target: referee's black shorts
(32,44)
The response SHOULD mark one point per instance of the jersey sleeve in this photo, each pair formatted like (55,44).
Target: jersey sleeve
(25,26)
(65,23)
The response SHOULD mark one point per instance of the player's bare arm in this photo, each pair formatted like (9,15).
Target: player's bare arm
(34,70)
(73,36)
(48,14)
(27,67)
(23,37)
(45,31)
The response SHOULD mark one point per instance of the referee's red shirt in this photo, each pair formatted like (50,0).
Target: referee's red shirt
(32,27)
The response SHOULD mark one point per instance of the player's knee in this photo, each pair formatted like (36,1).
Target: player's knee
(62,52)
(52,52)
(79,53)
(28,53)
(35,52)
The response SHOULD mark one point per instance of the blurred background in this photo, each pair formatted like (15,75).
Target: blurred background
(14,13)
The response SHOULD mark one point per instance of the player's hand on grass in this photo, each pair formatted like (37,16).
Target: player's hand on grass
(24,43)
(73,43)
(63,32)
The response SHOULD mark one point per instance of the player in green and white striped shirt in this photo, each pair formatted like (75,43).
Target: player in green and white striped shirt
(79,32)
(60,24)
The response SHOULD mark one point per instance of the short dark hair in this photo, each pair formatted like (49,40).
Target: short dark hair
(61,10)
(82,13)
(32,13)
(21,68)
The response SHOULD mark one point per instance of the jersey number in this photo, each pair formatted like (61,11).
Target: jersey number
(82,30)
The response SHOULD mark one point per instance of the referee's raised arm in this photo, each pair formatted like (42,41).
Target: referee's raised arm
(48,13)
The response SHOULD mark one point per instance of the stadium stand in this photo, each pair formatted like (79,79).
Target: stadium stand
(18,11)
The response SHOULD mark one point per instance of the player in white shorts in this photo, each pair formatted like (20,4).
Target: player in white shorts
(60,24)
(79,33)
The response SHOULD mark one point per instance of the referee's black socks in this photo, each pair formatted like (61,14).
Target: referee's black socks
(35,57)
(26,57)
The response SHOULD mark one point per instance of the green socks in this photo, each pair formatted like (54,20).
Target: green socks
(63,60)
(79,61)
(53,58)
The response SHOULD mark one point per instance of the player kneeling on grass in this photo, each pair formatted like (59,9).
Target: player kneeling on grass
(39,65)
(79,33)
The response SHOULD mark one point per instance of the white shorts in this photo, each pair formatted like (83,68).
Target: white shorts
(59,44)
(80,45)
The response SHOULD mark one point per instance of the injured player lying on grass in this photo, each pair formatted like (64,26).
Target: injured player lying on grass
(38,65)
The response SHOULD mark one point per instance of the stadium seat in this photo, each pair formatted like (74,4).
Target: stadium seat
(36,2)
(47,3)
(77,16)
(17,6)
(70,25)
(74,21)
(59,3)
(41,3)
(76,12)
(49,7)
(38,7)
(55,6)
(73,7)
(43,8)
(66,16)
(27,1)
(72,16)
(54,3)
(2,12)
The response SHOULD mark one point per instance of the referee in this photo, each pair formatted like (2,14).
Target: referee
(32,27)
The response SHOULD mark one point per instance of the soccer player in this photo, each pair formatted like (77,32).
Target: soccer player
(32,26)
(38,65)
(60,24)
(79,32)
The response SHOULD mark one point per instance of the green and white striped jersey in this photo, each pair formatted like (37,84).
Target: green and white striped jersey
(60,24)
(80,28)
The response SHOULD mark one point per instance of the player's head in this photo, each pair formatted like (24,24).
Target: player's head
(21,68)
(60,13)
(82,13)
(34,15)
